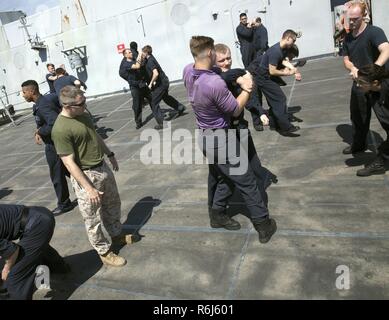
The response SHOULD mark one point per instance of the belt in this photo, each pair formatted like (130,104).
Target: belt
(216,129)
(24,219)
(94,167)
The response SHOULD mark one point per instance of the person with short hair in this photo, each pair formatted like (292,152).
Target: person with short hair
(364,44)
(46,113)
(131,70)
(214,105)
(63,80)
(232,78)
(260,37)
(245,33)
(51,77)
(82,151)
(268,67)
(159,87)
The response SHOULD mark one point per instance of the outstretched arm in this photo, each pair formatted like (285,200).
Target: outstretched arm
(9,263)
(153,78)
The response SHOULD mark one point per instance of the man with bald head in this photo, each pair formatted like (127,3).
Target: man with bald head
(365,44)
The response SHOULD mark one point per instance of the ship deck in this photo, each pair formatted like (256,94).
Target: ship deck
(327,216)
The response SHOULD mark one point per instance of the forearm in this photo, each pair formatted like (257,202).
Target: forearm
(279,73)
(288,65)
(242,100)
(383,57)
(154,77)
(11,260)
(348,64)
(135,66)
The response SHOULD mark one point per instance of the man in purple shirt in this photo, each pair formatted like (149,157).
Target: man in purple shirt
(214,105)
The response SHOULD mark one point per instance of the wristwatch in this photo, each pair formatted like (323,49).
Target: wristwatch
(111,155)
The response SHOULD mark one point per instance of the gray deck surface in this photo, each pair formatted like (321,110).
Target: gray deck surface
(326,215)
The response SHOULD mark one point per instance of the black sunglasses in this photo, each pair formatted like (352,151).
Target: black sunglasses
(78,105)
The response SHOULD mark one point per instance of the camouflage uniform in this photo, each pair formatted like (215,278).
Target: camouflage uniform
(108,213)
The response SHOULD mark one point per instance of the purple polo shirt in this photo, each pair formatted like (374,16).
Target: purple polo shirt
(212,102)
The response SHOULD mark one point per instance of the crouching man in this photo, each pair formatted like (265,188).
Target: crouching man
(34,227)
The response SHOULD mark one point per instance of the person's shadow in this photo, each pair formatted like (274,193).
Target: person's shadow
(291,113)
(86,264)
(5,192)
(102,131)
(137,218)
(359,159)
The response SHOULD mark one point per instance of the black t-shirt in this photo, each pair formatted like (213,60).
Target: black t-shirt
(135,76)
(363,50)
(230,78)
(63,82)
(50,82)
(255,65)
(260,39)
(53,98)
(152,64)
(245,36)
(274,56)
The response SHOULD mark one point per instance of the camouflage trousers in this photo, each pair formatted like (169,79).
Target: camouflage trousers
(108,213)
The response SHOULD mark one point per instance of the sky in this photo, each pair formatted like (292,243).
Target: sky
(28,6)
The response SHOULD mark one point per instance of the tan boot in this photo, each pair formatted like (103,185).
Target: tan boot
(111,259)
(126,239)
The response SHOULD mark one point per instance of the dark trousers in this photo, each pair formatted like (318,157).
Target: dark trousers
(161,93)
(138,94)
(221,183)
(361,104)
(382,113)
(34,250)
(248,54)
(276,100)
(58,176)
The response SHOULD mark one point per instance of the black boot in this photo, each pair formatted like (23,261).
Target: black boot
(258,127)
(376,167)
(181,110)
(220,219)
(353,150)
(265,229)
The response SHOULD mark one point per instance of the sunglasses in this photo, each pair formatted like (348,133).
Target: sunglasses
(79,105)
